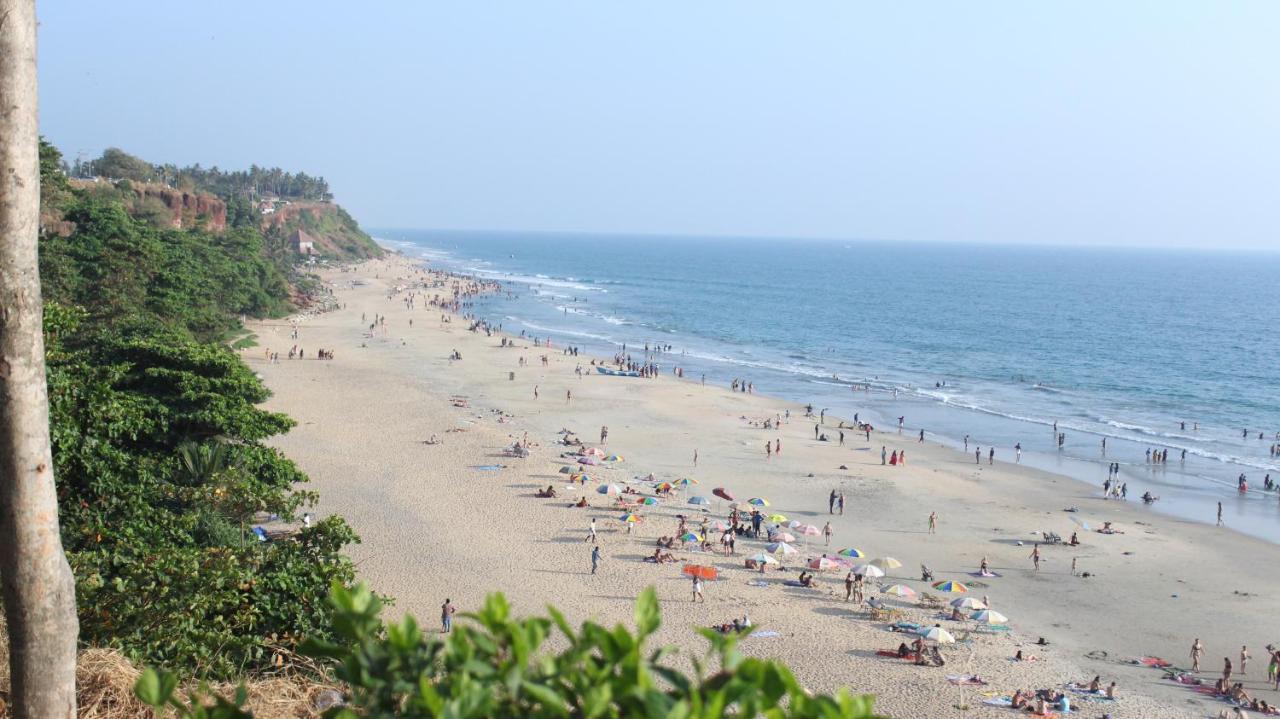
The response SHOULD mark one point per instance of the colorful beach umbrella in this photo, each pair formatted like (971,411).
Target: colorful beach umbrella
(629,517)
(868,570)
(990,616)
(777,518)
(685,481)
(663,487)
(851,552)
(937,634)
(580,477)
(809,530)
(823,564)
(950,587)
(780,548)
(886,563)
(593,452)
(689,537)
(783,537)
(649,501)
(723,493)
(758,502)
(899,590)
(968,603)
(609,489)
(793,524)
(567,470)
(699,500)
(763,559)
(613,458)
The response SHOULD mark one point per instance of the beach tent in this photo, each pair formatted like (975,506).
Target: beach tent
(567,470)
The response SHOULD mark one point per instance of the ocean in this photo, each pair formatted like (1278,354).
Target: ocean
(997,343)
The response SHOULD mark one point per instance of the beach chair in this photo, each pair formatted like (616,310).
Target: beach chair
(930,601)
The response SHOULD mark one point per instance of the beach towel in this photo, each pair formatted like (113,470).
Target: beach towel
(487,467)
(764,633)
(757,583)
(999,701)
(1153,662)
(904,627)
(965,680)
(988,575)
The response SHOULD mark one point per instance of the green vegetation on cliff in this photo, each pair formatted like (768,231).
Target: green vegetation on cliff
(158,443)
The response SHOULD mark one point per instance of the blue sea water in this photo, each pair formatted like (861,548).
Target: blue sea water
(1118,343)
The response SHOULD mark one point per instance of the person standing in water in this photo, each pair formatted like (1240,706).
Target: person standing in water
(1197,651)
(933,522)
(1219,514)
(1035,556)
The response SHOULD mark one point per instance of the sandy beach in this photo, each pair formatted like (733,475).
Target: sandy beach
(439,521)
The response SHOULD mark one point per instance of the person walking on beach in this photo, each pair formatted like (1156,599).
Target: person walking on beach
(1035,556)
(840,503)
(535,391)
(922,436)
(777,446)
(768,450)
(1226,670)
(568,396)
(1017,451)
(831,503)
(697,589)
(848,586)
(1197,651)
(826,533)
(815,431)
(604,434)
(1073,566)
(695,458)
(591,531)
(447,611)
(595,558)
(1219,514)
(1244,659)
(977,456)
(883,455)
(991,456)
(842,438)
(933,522)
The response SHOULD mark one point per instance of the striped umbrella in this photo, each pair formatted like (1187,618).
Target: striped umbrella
(613,458)
(609,489)
(783,537)
(809,530)
(899,590)
(990,616)
(663,487)
(851,552)
(648,501)
(758,502)
(690,537)
(868,570)
(780,548)
(629,517)
(823,564)
(685,481)
(937,634)
(950,587)
(968,603)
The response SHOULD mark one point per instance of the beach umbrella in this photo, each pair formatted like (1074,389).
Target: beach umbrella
(851,552)
(758,502)
(783,537)
(793,524)
(868,570)
(990,616)
(648,501)
(937,634)
(809,530)
(689,537)
(663,487)
(613,458)
(886,563)
(699,500)
(719,526)
(968,603)
(629,517)
(580,477)
(950,587)
(723,493)
(591,461)
(823,564)
(700,570)
(593,452)
(780,548)
(777,518)
(763,558)
(567,470)
(609,489)
(899,590)
(686,481)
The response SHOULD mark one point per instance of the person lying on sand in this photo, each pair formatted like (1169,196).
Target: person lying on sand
(661,557)
(549,492)
(1107,529)
(1020,657)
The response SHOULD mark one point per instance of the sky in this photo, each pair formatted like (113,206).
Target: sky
(1129,123)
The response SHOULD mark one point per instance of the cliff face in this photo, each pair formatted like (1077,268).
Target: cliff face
(164,205)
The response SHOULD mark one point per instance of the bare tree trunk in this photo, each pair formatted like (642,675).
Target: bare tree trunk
(38,589)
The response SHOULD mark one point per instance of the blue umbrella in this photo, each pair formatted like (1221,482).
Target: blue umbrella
(699,500)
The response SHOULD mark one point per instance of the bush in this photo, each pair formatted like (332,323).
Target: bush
(494,666)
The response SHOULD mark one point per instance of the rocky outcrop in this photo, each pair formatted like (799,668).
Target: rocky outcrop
(185,208)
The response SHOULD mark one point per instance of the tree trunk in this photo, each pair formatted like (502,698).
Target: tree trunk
(38,589)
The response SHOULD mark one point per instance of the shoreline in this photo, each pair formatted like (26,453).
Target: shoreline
(363,415)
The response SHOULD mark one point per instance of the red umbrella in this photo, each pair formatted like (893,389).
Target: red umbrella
(723,493)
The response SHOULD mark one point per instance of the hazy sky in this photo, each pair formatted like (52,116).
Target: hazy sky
(1152,123)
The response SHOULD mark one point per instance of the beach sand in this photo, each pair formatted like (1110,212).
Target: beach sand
(434,526)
